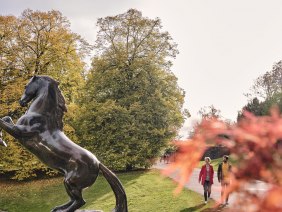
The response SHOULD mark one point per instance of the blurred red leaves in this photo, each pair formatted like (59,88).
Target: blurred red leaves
(188,156)
(256,145)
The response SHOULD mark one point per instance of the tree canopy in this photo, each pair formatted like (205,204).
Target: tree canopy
(133,105)
(209,112)
(37,43)
(125,109)
(266,92)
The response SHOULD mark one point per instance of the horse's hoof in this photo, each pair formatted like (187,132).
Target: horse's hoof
(55,210)
(3,143)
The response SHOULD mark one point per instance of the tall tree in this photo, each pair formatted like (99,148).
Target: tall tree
(132,103)
(37,43)
(209,112)
(265,93)
(268,84)
(262,108)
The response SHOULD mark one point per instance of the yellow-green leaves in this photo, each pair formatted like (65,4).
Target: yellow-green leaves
(37,43)
(133,103)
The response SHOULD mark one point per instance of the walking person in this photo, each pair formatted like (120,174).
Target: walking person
(206,178)
(223,173)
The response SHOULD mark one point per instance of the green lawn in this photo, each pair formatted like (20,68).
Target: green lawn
(146,192)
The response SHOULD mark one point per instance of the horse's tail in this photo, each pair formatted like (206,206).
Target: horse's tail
(121,201)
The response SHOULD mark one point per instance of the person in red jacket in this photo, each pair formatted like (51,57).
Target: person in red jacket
(206,178)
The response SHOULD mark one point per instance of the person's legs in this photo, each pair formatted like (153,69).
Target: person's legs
(206,190)
(209,189)
(224,186)
(222,190)
(227,195)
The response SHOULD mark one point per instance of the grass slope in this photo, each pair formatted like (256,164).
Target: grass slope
(146,191)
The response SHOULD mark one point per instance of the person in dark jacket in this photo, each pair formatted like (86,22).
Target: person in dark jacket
(206,178)
(223,173)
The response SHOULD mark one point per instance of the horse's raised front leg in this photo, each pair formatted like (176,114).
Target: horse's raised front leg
(2,142)
(7,119)
(17,131)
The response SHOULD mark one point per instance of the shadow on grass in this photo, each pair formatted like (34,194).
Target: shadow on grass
(198,207)
(193,208)
(102,190)
(43,195)
(220,208)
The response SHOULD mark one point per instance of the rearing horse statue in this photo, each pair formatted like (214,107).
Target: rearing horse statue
(40,130)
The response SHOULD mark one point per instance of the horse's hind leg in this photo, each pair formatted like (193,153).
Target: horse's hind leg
(64,206)
(76,200)
(76,196)
(78,180)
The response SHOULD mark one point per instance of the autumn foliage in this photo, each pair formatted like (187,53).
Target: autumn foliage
(255,144)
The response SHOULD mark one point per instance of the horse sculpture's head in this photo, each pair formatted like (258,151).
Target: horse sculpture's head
(31,90)
(46,88)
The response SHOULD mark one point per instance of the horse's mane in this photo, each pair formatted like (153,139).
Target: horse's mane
(61,103)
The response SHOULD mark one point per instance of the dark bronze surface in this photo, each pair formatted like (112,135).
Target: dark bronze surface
(40,131)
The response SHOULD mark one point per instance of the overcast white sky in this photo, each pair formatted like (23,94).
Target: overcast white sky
(224,45)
